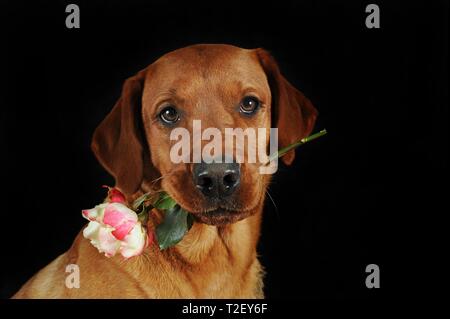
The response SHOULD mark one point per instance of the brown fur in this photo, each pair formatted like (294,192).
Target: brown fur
(217,258)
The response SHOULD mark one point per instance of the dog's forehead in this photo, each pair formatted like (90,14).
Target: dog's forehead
(208,62)
(208,57)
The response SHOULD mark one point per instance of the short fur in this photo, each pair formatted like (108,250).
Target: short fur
(217,258)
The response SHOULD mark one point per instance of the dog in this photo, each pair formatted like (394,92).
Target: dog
(223,86)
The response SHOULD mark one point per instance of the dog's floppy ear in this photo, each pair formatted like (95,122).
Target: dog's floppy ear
(292,112)
(118,142)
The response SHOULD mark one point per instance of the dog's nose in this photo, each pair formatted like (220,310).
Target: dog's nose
(216,180)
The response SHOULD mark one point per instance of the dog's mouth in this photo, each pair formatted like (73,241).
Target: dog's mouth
(215,214)
(221,216)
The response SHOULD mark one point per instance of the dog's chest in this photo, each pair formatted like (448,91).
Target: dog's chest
(224,275)
(209,264)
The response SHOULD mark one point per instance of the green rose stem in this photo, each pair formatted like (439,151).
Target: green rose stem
(286,149)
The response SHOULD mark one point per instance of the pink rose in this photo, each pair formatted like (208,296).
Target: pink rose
(113,228)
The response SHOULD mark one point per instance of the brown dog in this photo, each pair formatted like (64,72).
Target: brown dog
(224,86)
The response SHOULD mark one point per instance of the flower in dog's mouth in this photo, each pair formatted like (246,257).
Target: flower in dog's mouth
(116,228)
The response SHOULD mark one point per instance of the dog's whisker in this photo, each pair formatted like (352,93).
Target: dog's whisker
(158,179)
(162,177)
(151,184)
(275,205)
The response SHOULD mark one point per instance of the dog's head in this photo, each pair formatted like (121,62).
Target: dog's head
(223,87)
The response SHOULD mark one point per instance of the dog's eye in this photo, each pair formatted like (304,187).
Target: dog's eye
(249,105)
(169,115)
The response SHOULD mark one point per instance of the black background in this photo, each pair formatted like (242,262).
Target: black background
(368,192)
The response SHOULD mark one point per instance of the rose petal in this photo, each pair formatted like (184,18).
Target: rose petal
(116,196)
(108,243)
(124,229)
(116,214)
(95,213)
(121,218)
(134,243)
(91,231)
(101,238)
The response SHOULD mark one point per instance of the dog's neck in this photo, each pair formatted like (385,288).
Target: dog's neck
(227,252)
(239,240)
